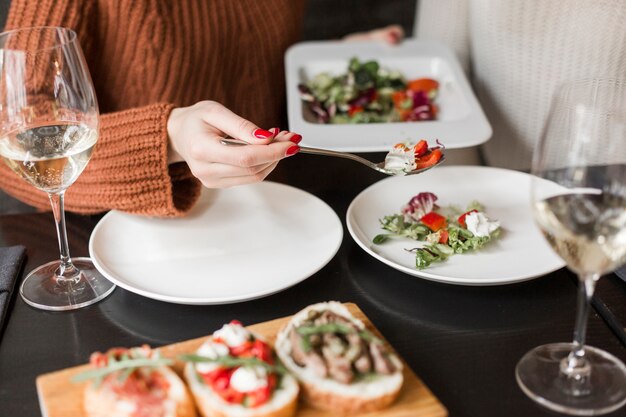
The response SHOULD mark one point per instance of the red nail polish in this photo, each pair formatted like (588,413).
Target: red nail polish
(292,150)
(296,138)
(261,134)
(275,130)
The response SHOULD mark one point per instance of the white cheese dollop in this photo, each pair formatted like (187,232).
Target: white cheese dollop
(400,160)
(247,379)
(480,225)
(233,334)
(212,350)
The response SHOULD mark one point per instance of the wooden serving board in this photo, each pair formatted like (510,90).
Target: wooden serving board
(59,397)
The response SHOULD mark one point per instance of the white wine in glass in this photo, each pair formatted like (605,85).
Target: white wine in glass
(579,199)
(48,131)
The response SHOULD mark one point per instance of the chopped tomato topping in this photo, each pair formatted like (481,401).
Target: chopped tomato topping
(262,351)
(222,381)
(258,397)
(242,350)
(434,221)
(461,219)
(214,375)
(233,396)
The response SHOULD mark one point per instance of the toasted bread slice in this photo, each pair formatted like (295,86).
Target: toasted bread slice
(235,375)
(326,393)
(283,402)
(102,400)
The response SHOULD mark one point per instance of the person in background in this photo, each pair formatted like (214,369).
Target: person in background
(172,78)
(516,53)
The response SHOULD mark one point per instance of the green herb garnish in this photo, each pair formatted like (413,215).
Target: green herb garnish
(124,364)
(306,331)
(228,361)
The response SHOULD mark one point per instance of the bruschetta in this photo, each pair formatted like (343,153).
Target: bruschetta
(236,374)
(134,382)
(341,366)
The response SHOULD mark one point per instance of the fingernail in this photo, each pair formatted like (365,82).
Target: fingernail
(261,134)
(296,138)
(275,130)
(292,150)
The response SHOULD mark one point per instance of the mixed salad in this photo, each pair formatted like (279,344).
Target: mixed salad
(369,93)
(444,230)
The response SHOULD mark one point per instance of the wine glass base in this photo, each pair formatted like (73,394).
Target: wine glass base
(42,290)
(539,376)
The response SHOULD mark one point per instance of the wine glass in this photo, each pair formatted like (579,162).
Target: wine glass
(48,130)
(579,201)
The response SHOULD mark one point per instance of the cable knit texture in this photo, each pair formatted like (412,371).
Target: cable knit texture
(520,51)
(145,58)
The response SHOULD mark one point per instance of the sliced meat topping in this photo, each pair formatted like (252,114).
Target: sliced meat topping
(335,347)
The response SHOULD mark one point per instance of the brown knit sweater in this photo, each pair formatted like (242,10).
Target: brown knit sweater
(146,57)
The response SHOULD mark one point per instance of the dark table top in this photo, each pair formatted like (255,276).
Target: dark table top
(463,342)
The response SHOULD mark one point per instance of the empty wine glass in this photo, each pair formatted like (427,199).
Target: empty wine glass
(579,201)
(48,130)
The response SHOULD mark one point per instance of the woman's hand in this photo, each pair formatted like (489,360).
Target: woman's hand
(194,137)
(392,34)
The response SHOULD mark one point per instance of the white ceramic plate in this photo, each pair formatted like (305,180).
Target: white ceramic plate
(520,253)
(461,121)
(236,244)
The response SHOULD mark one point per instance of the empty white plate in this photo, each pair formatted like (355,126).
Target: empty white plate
(236,244)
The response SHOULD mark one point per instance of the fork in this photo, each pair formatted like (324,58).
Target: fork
(380,167)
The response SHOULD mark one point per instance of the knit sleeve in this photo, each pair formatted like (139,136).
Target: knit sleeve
(128,170)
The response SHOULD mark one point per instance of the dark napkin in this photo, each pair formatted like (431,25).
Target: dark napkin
(11,260)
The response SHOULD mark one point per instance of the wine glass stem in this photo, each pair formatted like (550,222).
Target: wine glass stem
(66,273)
(575,368)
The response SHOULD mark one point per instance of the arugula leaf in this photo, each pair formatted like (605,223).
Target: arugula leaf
(229,361)
(125,364)
(428,254)
(381,238)
(308,330)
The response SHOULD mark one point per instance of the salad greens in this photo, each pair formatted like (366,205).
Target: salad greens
(369,93)
(445,231)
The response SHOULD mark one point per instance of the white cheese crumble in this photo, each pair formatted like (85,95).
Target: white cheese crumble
(211,350)
(247,379)
(480,225)
(400,160)
(233,334)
